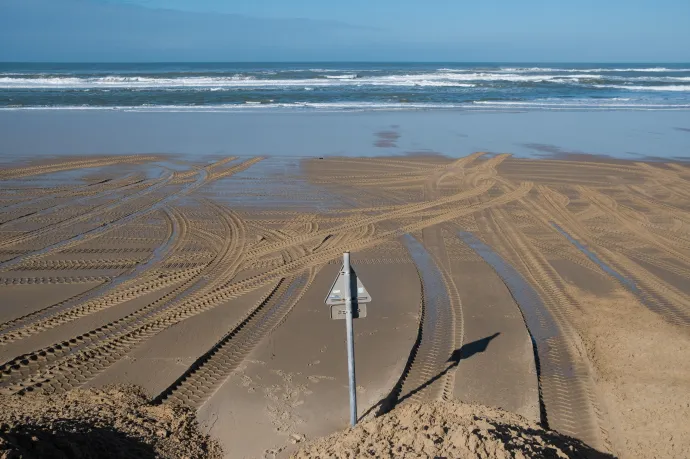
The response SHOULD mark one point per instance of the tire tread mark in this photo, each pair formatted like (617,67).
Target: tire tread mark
(123,337)
(211,370)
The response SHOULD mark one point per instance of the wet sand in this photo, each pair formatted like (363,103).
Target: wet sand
(627,134)
(554,289)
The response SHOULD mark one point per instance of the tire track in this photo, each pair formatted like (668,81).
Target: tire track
(216,175)
(267,249)
(74,364)
(656,261)
(222,268)
(126,287)
(153,186)
(89,189)
(42,265)
(83,194)
(77,307)
(211,370)
(53,280)
(427,374)
(69,165)
(609,206)
(668,180)
(565,381)
(202,179)
(653,292)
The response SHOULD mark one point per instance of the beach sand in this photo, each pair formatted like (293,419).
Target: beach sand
(554,289)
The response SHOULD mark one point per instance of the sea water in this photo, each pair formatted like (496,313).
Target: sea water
(634,111)
(345,86)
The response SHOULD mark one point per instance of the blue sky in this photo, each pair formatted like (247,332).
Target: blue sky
(434,30)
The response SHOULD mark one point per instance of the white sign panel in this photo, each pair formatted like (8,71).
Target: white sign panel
(336,295)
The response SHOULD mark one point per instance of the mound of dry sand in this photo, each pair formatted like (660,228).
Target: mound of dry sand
(449,430)
(114,422)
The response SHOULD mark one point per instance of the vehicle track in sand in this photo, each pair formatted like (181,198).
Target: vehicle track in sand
(91,214)
(668,179)
(59,166)
(427,375)
(203,176)
(631,221)
(134,283)
(211,370)
(194,255)
(23,210)
(81,358)
(565,381)
(220,270)
(481,181)
(656,294)
(54,280)
(429,371)
(76,308)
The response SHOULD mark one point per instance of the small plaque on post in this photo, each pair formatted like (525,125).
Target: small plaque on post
(338,311)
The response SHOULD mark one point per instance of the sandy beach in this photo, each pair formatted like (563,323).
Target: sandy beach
(555,289)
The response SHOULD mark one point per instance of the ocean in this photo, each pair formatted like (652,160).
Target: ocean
(171,87)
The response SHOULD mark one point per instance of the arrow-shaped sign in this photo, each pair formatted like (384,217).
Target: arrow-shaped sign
(336,295)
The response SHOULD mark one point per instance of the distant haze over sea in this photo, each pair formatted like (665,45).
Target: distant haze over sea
(345,86)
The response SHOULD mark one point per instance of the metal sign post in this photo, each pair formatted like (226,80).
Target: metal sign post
(345,305)
(350,339)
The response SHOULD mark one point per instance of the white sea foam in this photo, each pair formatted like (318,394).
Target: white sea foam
(673,88)
(669,79)
(341,70)
(499,106)
(597,70)
(202,82)
(244,81)
(565,86)
(456,70)
(483,76)
(248,106)
(316,106)
(342,77)
(622,103)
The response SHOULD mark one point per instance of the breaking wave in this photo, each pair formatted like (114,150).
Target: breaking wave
(349,86)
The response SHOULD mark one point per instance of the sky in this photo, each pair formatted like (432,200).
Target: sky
(354,30)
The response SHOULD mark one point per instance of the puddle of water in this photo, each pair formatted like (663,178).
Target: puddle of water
(539,321)
(592,256)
